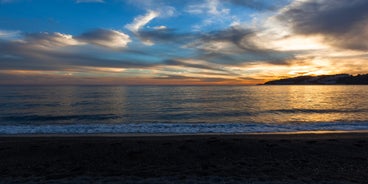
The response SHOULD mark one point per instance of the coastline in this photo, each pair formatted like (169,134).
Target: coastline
(151,135)
(304,157)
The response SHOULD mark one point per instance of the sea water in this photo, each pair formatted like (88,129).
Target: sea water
(181,109)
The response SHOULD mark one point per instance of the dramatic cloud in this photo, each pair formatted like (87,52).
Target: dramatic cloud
(190,42)
(342,23)
(235,46)
(106,38)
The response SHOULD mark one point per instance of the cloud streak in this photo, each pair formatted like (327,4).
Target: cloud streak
(106,38)
(253,4)
(50,40)
(4,34)
(212,7)
(139,22)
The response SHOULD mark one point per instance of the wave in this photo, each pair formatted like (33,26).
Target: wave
(164,116)
(168,128)
(42,118)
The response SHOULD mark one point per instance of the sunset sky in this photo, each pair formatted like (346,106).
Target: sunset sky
(179,42)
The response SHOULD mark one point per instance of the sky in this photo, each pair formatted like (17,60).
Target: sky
(179,42)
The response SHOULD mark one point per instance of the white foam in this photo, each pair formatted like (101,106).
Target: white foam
(168,128)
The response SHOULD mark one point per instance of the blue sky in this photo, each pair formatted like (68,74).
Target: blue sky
(74,17)
(136,42)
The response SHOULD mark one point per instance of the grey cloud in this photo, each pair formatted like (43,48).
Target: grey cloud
(22,56)
(102,37)
(75,59)
(246,49)
(193,65)
(343,23)
(242,40)
(216,79)
(199,79)
(238,36)
(173,77)
(49,39)
(105,38)
(253,4)
(27,55)
(271,57)
(166,35)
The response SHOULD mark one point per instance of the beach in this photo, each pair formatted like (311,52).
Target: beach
(210,158)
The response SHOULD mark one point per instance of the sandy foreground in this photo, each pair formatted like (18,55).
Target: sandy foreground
(259,158)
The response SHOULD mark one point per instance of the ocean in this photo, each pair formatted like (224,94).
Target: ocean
(181,109)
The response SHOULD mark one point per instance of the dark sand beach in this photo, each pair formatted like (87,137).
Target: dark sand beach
(266,158)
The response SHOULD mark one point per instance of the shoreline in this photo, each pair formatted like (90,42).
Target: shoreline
(314,132)
(278,158)
(181,128)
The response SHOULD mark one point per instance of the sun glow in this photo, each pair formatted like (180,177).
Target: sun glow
(294,43)
(313,73)
(106,69)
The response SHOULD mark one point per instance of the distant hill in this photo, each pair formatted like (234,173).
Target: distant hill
(322,80)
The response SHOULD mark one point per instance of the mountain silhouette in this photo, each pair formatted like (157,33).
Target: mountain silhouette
(322,80)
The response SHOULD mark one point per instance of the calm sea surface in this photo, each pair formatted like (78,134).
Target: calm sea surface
(144,109)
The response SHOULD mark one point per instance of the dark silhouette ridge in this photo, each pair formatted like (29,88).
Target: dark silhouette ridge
(344,79)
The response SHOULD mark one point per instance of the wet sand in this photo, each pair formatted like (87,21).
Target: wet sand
(266,158)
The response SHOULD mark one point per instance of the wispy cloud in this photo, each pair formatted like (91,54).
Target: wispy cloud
(5,34)
(110,39)
(212,7)
(160,27)
(162,7)
(139,22)
(192,63)
(212,14)
(167,36)
(49,40)
(106,38)
(27,56)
